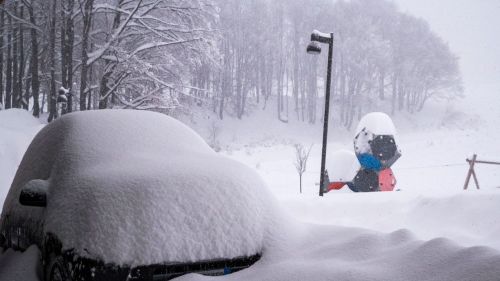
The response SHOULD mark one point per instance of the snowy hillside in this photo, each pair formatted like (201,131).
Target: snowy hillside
(417,233)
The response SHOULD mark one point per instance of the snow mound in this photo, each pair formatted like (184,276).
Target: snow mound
(338,253)
(377,123)
(16,119)
(17,129)
(468,218)
(137,188)
(342,165)
(17,266)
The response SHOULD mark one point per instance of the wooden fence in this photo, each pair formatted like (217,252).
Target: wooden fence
(472,162)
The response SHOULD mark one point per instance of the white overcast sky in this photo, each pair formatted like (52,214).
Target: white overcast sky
(472,28)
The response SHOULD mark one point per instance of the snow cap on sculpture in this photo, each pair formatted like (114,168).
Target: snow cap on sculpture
(375,142)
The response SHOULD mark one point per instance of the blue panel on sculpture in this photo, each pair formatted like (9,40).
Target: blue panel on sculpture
(369,162)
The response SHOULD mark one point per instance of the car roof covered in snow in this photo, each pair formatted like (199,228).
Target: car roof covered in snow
(377,123)
(138,188)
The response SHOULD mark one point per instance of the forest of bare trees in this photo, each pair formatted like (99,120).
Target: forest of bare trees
(383,59)
(92,54)
(232,56)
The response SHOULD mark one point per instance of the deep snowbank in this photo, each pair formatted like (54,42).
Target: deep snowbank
(316,252)
(469,219)
(17,129)
(17,266)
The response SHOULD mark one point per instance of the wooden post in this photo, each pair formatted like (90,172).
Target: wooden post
(471,172)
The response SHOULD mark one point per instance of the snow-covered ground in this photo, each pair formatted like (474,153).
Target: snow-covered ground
(431,229)
(328,252)
(431,173)
(17,129)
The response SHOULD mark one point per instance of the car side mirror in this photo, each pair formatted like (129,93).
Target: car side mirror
(34,193)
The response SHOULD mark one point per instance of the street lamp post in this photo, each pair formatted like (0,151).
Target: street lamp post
(315,49)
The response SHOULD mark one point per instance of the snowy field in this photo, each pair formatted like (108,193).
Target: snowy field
(430,203)
(431,229)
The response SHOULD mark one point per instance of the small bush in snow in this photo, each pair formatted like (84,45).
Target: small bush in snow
(301,155)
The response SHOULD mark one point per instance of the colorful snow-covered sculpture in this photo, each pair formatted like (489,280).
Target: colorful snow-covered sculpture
(375,152)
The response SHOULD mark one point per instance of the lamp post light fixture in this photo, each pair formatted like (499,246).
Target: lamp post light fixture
(315,49)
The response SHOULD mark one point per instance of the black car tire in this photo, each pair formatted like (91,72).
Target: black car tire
(56,269)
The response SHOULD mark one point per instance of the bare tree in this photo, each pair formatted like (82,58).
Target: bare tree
(301,156)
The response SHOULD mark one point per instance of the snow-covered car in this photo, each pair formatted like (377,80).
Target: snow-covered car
(133,195)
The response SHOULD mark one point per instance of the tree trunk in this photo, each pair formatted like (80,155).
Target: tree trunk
(303,89)
(263,75)
(226,81)
(23,102)
(35,82)
(312,91)
(279,91)
(52,43)
(401,95)
(70,38)
(300,183)
(89,93)
(108,68)
(258,81)
(381,86)
(239,79)
(296,70)
(2,31)
(394,94)
(64,64)
(104,88)
(87,23)
(16,92)
(342,83)
(26,98)
(67,39)
(8,77)
(270,71)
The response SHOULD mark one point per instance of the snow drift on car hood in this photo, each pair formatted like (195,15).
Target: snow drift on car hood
(138,188)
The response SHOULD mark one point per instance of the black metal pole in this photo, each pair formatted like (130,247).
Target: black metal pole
(327,110)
